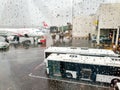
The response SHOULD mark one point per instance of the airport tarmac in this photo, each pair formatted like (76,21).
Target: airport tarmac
(24,69)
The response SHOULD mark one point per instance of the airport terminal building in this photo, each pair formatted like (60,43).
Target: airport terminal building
(106,20)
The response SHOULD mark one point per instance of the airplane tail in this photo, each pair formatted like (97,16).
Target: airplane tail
(45,24)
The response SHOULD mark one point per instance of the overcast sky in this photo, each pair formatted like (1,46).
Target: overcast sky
(31,13)
(61,11)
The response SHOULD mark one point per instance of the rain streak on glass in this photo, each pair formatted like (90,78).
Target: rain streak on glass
(71,23)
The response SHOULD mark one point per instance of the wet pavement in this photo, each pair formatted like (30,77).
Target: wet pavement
(24,69)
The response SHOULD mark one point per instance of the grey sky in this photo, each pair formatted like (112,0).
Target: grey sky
(61,11)
(31,13)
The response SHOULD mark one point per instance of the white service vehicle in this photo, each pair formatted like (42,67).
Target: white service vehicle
(99,70)
(3,44)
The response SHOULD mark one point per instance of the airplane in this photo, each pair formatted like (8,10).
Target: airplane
(25,32)
(15,33)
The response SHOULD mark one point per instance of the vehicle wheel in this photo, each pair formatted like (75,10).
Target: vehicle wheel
(69,75)
(114,81)
(26,46)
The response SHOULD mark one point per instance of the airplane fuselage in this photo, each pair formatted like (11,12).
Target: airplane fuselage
(31,32)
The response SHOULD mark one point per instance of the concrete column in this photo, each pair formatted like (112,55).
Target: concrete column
(113,38)
(98,37)
(117,35)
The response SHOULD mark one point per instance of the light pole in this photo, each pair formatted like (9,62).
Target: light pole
(72,11)
(117,36)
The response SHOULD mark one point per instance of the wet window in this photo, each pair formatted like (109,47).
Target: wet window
(29,27)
